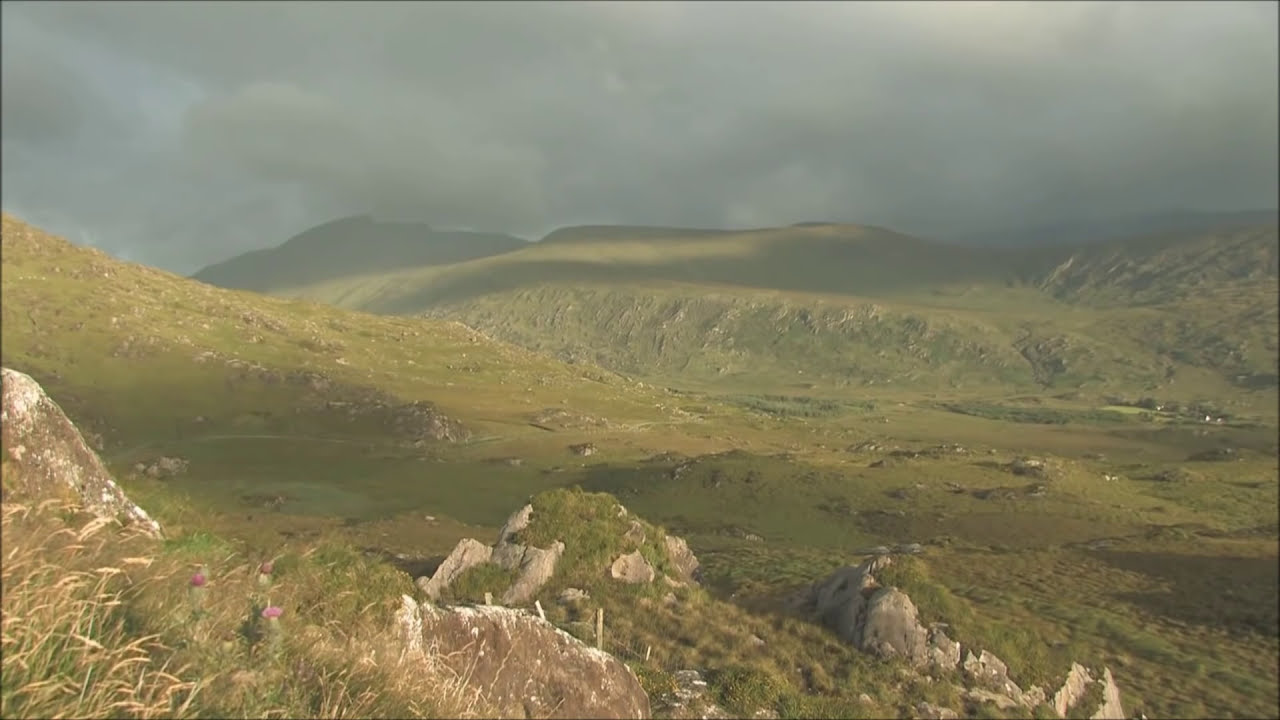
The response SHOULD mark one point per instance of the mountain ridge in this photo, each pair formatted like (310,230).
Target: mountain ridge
(357,245)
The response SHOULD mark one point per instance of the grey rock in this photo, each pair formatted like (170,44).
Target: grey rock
(523,666)
(988,671)
(682,559)
(632,568)
(467,554)
(943,652)
(536,566)
(569,596)
(892,627)
(1076,686)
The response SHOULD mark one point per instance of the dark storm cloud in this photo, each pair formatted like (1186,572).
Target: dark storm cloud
(181,133)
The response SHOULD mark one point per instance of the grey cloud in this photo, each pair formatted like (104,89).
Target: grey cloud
(935,118)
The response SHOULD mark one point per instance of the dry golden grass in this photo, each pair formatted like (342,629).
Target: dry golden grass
(97,622)
(66,649)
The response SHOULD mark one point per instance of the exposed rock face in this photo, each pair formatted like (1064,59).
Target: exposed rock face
(525,666)
(1077,686)
(51,457)
(466,554)
(685,563)
(632,568)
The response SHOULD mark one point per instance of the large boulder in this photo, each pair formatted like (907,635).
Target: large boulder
(47,457)
(523,665)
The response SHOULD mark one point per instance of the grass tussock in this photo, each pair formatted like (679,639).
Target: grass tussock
(101,621)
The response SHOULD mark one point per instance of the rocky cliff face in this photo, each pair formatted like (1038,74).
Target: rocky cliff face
(45,456)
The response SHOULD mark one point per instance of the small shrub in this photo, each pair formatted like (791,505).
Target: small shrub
(471,585)
(657,683)
(746,690)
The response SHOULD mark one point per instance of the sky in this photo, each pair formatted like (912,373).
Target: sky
(179,134)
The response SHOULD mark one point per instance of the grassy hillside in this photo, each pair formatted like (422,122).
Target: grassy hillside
(352,246)
(1239,264)
(354,446)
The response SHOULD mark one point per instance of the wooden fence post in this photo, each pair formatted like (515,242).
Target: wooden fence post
(600,628)
(488,598)
(541,614)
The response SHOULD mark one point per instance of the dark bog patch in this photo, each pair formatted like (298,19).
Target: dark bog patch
(1230,592)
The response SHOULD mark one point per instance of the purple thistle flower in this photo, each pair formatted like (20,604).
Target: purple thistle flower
(266,568)
(272,612)
(197,590)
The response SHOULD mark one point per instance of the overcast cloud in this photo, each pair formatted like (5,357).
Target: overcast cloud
(179,134)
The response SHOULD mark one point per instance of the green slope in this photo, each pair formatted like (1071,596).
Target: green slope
(93,330)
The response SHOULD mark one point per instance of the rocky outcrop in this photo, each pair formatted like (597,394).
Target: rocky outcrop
(884,621)
(875,619)
(46,456)
(533,566)
(524,666)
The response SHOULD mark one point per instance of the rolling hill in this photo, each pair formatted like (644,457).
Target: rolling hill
(352,246)
(1190,313)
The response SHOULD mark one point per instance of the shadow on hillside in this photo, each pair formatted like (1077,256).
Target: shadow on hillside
(801,266)
(414,567)
(1237,594)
